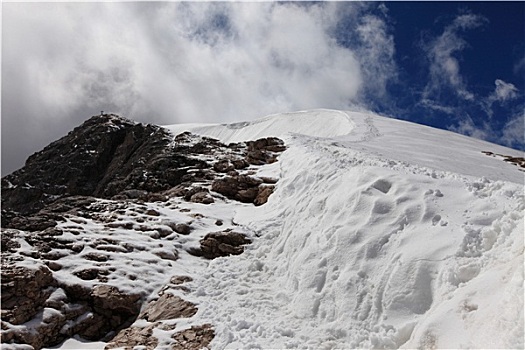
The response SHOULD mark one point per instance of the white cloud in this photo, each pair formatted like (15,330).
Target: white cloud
(504,91)
(512,134)
(466,126)
(376,53)
(514,130)
(443,51)
(519,66)
(183,61)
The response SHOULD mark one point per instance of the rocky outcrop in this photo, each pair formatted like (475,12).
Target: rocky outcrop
(518,161)
(72,208)
(217,244)
(263,195)
(168,307)
(194,338)
(64,310)
(103,157)
(24,291)
(242,188)
(263,151)
(109,156)
(134,336)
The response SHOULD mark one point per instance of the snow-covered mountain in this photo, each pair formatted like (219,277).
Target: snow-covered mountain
(360,232)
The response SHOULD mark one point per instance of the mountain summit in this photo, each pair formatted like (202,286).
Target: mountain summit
(313,229)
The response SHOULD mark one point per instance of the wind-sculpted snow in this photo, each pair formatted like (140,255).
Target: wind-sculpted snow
(378,234)
(320,123)
(364,252)
(394,235)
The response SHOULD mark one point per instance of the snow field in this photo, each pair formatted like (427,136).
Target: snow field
(361,251)
(320,123)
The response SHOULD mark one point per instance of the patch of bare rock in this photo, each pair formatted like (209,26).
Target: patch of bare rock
(63,310)
(224,243)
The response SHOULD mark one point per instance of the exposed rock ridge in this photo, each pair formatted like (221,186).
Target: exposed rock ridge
(112,192)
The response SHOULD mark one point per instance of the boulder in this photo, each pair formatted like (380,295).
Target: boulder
(194,338)
(168,307)
(134,336)
(119,307)
(263,195)
(24,291)
(202,197)
(243,188)
(224,243)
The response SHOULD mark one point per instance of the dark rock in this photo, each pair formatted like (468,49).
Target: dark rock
(54,265)
(105,156)
(190,192)
(8,239)
(31,223)
(177,280)
(90,274)
(223,166)
(183,229)
(174,256)
(154,197)
(96,257)
(263,151)
(202,197)
(240,164)
(242,188)
(24,291)
(263,195)
(134,194)
(76,292)
(152,212)
(113,310)
(223,243)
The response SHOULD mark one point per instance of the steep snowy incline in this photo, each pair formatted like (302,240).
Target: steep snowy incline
(320,123)
(386,137)
(358,251)
(429,147)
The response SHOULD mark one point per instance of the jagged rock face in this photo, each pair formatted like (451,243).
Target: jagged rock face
(24,291)
(100,175)
(33,293)
(109,156)
(103,157)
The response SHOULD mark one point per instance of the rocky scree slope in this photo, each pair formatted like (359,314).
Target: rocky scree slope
(114,192)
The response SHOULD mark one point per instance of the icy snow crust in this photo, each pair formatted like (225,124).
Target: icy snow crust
(380,234)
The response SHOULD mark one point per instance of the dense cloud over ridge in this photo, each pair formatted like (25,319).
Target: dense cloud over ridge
(171,62)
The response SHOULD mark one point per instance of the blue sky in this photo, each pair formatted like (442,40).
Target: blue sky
(454,65)
(490,60)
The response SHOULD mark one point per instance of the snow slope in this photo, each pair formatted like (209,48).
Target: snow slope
(373,134)
(380,234)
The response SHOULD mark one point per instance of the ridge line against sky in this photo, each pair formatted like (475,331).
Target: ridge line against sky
(453,65)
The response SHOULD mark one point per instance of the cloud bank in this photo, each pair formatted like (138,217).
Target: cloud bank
(182,62)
